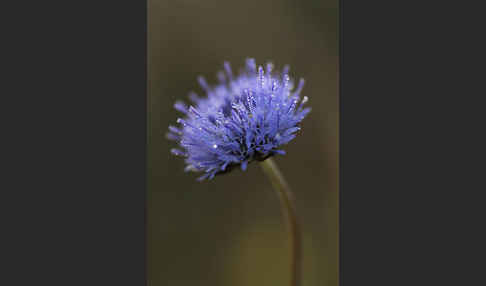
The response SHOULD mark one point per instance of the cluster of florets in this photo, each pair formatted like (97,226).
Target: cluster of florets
(244,118)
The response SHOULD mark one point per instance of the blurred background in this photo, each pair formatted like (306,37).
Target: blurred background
(229,231)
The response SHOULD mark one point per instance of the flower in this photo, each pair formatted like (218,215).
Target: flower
(243,118)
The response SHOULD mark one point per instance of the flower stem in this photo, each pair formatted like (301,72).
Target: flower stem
(287,203)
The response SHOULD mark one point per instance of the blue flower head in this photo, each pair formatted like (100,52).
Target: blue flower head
(245,117)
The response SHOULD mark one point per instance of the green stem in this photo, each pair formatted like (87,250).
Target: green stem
(287,203)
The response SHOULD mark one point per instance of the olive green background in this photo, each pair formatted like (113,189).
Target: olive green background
(229,231)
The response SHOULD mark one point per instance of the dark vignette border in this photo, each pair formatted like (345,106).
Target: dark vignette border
(75,189)
(408,127)
(372,233)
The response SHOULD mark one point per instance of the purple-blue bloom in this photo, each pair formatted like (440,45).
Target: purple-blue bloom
(245,117)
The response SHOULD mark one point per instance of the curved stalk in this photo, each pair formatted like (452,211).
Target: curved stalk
(287,203)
